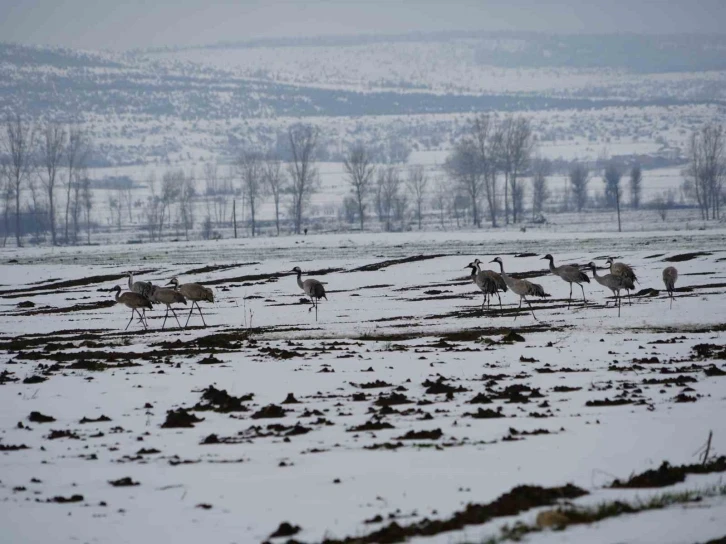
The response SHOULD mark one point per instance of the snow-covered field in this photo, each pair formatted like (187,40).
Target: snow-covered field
(399,348)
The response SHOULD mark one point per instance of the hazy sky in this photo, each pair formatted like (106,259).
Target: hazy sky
(126,24)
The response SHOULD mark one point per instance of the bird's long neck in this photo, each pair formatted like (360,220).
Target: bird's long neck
(501,268)
(473,272)
(594,272)
(131,280)
(478,266)
(299,280)
(552,265)
(118,293)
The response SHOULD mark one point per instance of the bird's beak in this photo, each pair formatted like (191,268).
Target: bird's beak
(170,283)
(493,261)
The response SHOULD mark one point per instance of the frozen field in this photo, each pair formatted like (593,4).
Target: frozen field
(399,406)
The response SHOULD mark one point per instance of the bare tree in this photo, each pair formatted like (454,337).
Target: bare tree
(387,186)
(52,151)
(276,183)
(251,168)
(76,155)
(487,138)
(579,180)
(19,149)
(442,196)
(636,186)
(707,168)
(358,164)
(152,209)
(304,177)
(115,204)
(6,189)
(664,202)
(515,152)
(464,167)
(171,183)
(185,195)
(612,178)
(540,192)
(86,200)
(417,183)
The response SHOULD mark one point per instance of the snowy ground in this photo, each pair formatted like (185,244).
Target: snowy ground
(407,331)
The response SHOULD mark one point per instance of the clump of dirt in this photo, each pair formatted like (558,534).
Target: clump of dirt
(218,400)
(392,399)
(710,351)
(37,417)
(6,377)
(686,256)
(269,411)
(608,402)
(209,360)
(565,389)
(285,529)
(99,419)
(26,304)
(290,399)
(512,337)
(434,434)
(486,413)
(481,398)
(372,425)
(441,387)
(279,353)
(518,500)
(713,370)
(65,500)
(55,434)
(391,262)
(13,447)
(123,482)
(667,474)
(385,446)
(180,418)
(34,379)
(373,385)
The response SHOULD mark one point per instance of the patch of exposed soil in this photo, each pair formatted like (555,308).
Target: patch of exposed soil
(434,434)
(392,262)
(518,500)
(285,529)
(667,474)
(372,425)
(82,307)
(13,447)
(180,418)
(486,413)
(123,482)
(269,411)
(218,400)
(37,417)
(686,256)
(215,268)
(66,500)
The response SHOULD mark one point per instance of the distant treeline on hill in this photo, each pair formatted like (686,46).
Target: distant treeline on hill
(638,53)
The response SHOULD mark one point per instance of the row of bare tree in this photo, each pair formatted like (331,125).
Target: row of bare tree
(43,159)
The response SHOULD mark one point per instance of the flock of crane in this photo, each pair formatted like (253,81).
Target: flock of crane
(621,277)
(142,294)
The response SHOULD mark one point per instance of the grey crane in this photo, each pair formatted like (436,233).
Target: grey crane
(624,271)
(168,297)
(611,281)
(670,275)
(312,288)
(195,293)
(570,274)
(144,288)
(485,283)
(494,277)
(521,287)
(133,301)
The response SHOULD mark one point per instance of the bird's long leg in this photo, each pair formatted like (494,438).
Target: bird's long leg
(316,309)
(201,314)
(130,320)
(518,309)
(629,301)
(583,295)
(570,299)
(670,294)
(618,303)
(166,314)
(500,301)
(531,309)
(175,317)
(484,301)
(190,313)
(141,318)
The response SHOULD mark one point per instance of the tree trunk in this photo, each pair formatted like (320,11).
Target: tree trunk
(17,216)
(617,205)
(234,217)
(277,215)
(360,210)
(252,213)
